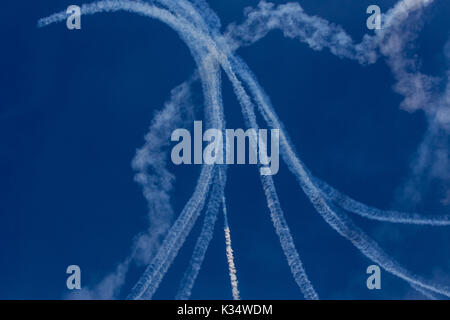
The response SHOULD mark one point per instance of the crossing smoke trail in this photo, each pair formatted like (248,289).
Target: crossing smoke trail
(208,48)
(187,283)
(177,234)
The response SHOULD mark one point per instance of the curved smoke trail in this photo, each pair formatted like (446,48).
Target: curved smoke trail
(177,234)
(351,205)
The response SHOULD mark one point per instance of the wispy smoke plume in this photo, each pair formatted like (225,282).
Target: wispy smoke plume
(292,20)
(150,164)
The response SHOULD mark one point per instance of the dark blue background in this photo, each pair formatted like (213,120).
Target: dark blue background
(75,105)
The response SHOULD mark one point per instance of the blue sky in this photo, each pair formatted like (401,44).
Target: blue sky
(77,104)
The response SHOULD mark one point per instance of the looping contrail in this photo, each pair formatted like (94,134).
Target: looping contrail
(199,27)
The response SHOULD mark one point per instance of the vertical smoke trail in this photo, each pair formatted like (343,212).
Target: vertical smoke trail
(229,251)
(187,283)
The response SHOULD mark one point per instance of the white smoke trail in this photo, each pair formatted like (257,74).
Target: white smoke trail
(231,265)
(206,234)
(230,257)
